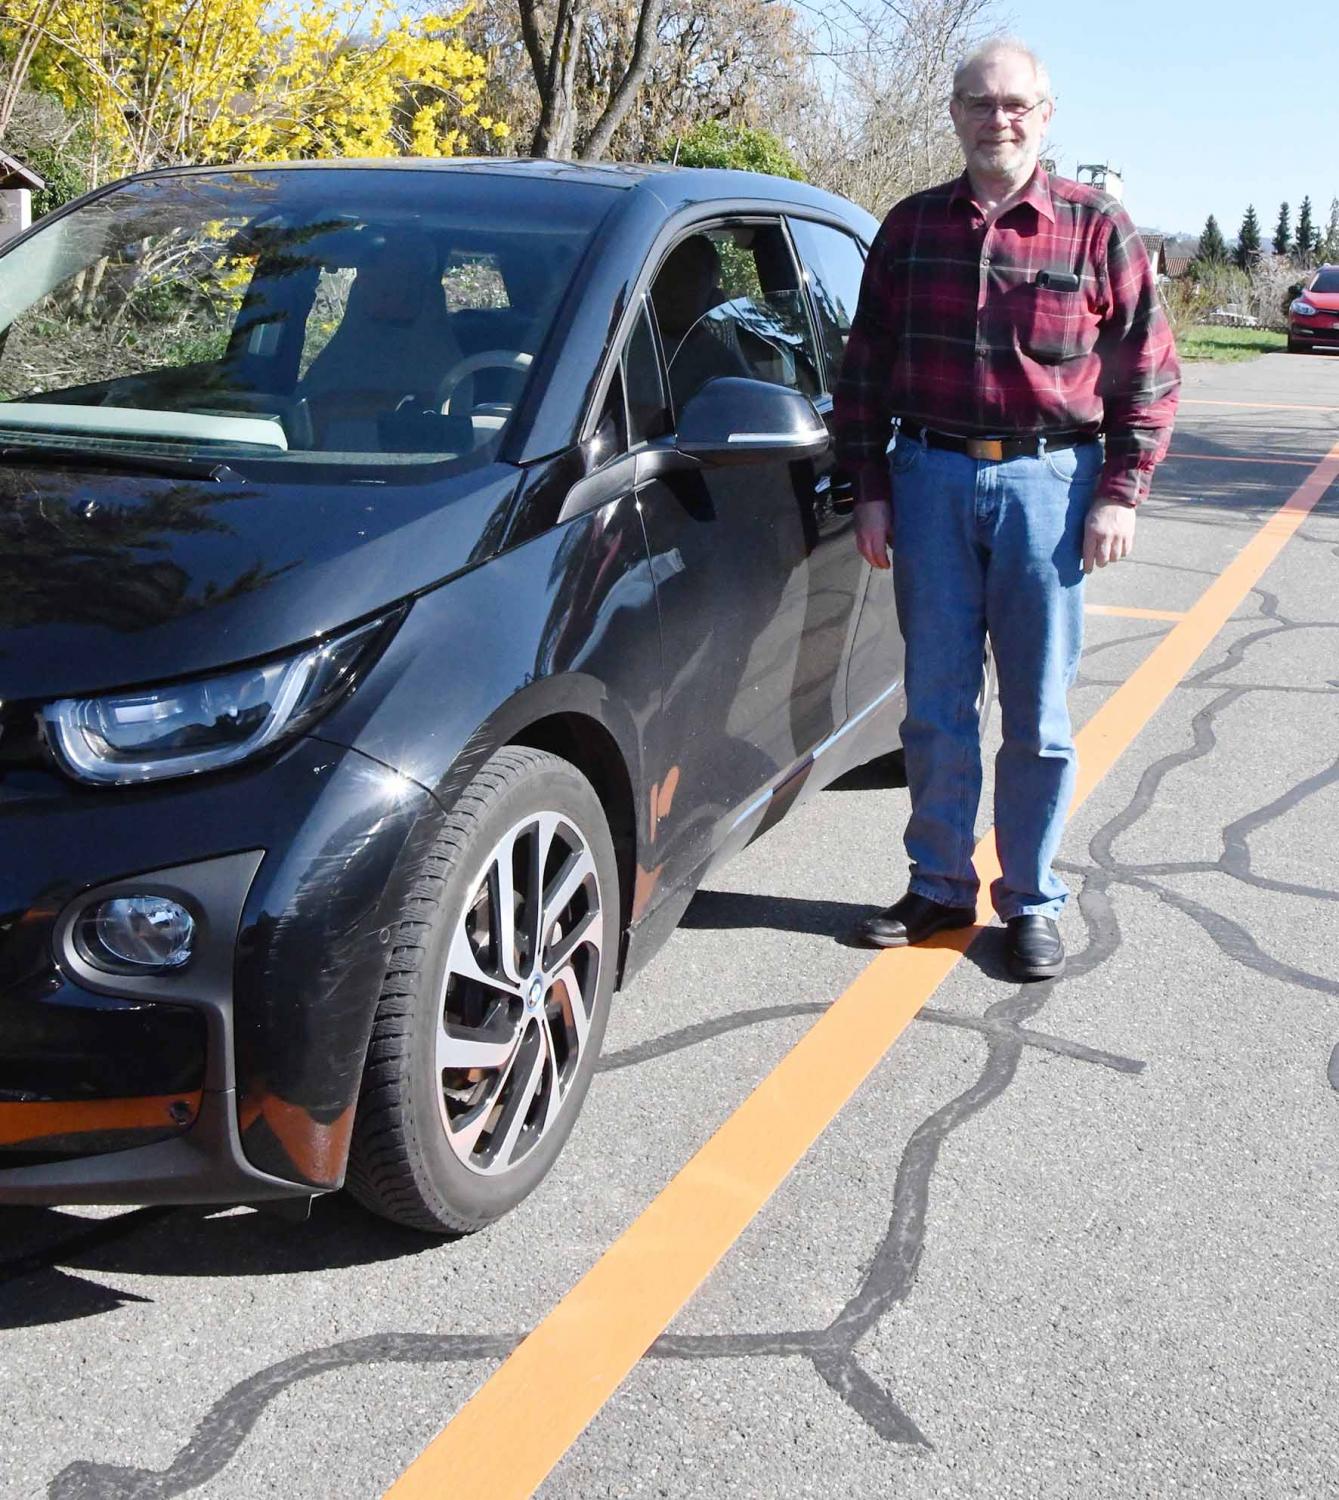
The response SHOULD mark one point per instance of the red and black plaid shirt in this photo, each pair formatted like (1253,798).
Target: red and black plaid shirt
(953,332)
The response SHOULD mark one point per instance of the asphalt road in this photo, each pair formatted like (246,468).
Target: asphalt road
(1070,1239)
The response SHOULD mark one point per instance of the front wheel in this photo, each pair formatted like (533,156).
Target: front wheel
(494,1003)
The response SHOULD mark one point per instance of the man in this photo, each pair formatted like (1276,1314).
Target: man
(1004,320)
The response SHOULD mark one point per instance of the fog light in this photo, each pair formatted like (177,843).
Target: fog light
(136,934)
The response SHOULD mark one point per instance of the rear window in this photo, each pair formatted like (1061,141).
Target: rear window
(330,316)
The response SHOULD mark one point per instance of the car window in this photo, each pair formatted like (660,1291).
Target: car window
(610,436)
(635,408)
(648,407)
(728,302)
(1326,280)
(340,318)
(835,262)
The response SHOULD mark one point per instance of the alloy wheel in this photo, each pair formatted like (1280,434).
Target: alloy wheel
(522,973)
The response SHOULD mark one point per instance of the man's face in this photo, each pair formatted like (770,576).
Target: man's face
(997,141)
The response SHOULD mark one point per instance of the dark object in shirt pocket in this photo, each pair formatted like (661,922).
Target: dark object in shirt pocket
(1051,324)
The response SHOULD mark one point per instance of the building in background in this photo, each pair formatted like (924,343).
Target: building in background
(17,186)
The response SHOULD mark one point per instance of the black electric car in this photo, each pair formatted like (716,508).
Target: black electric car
(416,578)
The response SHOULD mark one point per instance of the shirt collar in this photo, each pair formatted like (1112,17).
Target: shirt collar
(1037,193)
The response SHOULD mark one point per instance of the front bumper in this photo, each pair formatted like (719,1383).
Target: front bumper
(1323,329)
(236,1078)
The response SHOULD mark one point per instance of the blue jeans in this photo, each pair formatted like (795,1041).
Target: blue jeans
(996,547)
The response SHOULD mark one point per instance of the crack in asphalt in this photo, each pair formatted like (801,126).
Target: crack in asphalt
(891,1274)
(705,1031)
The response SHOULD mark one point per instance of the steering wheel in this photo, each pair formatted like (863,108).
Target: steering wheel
(465,369)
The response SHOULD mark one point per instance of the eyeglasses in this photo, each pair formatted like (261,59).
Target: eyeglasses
(983,107)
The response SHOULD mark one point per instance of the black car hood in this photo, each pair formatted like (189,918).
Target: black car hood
(108,581)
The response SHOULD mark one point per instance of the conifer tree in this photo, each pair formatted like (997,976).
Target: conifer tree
(1212,246)
(1283,235)
(1248,240)
(1308,240)
(1329,246)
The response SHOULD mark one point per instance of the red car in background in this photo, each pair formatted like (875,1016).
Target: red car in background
(1313,318)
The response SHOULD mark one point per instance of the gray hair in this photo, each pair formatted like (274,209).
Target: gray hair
(1009,46)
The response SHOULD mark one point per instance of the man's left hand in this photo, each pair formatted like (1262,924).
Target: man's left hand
(1108,534)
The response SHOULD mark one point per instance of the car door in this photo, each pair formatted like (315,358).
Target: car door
(834,261)
(757,575)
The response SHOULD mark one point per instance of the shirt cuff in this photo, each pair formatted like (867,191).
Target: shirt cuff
(1122,483)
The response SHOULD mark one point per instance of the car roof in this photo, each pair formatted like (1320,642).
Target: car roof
(665,180)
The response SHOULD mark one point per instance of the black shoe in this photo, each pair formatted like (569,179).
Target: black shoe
(1035,949)
(909,920)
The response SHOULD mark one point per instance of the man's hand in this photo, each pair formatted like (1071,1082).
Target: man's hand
(1108,534)
(874,531)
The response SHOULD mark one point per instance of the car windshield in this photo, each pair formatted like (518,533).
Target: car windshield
(318,317)
(1326,281)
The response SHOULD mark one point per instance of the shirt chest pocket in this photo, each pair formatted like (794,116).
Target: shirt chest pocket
(1053,324)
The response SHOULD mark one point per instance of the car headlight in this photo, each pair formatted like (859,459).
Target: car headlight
(1303,308)
(153,733)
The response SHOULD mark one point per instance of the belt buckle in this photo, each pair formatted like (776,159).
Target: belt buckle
(987,448)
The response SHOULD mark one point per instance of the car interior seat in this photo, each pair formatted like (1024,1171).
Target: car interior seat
(394,344)
(686,287)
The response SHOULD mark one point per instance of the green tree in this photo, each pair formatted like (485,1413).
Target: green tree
(62,173)
(1329,245)
(714,144)
(1308,239)
(1283,235)
(1212,246)
(1248,240)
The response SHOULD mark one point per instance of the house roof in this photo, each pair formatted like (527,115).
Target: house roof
(13,174)
(1155,245)
(1178,265)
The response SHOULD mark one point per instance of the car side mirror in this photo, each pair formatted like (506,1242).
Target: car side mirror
(734,420)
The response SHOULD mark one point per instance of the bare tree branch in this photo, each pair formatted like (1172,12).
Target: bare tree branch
(647,21)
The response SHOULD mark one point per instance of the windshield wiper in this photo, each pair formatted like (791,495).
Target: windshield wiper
(58,455)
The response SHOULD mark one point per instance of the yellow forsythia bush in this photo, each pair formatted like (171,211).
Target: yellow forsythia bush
(206,81)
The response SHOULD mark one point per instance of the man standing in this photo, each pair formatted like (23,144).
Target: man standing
(1005,319)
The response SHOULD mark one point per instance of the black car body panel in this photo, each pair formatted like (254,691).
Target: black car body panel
(112,581)
(701,640)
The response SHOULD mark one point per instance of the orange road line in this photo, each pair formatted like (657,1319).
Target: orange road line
(1128,612)
(1256,405)
(1218,458)
(519,1423)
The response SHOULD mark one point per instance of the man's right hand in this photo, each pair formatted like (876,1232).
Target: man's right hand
(874,531)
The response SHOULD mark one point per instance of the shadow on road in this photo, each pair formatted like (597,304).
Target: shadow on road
(180,1242)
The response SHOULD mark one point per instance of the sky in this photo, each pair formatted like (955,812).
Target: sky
(1204,108)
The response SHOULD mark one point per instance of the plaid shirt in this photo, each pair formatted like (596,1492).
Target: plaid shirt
(953,332)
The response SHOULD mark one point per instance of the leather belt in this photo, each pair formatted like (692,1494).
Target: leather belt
(999,449)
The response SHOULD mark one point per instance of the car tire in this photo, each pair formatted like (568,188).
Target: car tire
(487,1031)
(1295,347)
